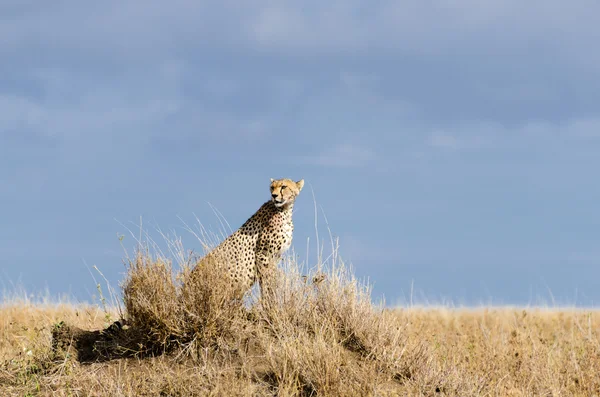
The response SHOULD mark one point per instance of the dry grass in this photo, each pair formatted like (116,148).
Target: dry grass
(318,336)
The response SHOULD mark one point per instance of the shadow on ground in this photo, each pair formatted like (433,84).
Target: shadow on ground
(114,342)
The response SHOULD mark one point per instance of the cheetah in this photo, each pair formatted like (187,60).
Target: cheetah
(254,250)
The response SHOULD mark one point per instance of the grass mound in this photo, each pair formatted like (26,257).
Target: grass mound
(173,310)
(318,334)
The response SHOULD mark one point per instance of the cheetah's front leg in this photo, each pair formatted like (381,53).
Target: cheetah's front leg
(266,268)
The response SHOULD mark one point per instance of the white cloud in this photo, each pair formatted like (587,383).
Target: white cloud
(587,127)
(18,112)
(343,155)
(156,49)
(144,105)
(165,44)
(584,257)
(91,117)
(451,141)
(421,27)
(521,91)
(542,131)
(140,29)
(477,135)
(442,140)
(361,84)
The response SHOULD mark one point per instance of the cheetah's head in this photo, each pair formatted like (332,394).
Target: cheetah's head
(284,191)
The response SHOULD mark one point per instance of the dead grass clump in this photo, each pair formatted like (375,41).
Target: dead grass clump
(170,309)
(151,299)
(211,306)
(322,335)
(311,365)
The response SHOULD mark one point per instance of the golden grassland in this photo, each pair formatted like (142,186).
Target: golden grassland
(317,336)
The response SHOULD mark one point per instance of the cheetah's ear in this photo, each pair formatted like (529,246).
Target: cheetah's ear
(300,184)
(272,180)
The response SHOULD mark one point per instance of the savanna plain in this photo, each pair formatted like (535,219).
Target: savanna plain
(319,335)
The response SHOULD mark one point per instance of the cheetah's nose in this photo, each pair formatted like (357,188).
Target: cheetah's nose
(274,195)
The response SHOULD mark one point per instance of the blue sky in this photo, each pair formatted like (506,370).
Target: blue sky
(453,146)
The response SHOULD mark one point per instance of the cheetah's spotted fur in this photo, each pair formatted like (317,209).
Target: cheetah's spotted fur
(254,250)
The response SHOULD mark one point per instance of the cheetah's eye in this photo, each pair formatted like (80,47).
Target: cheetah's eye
(283,187)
